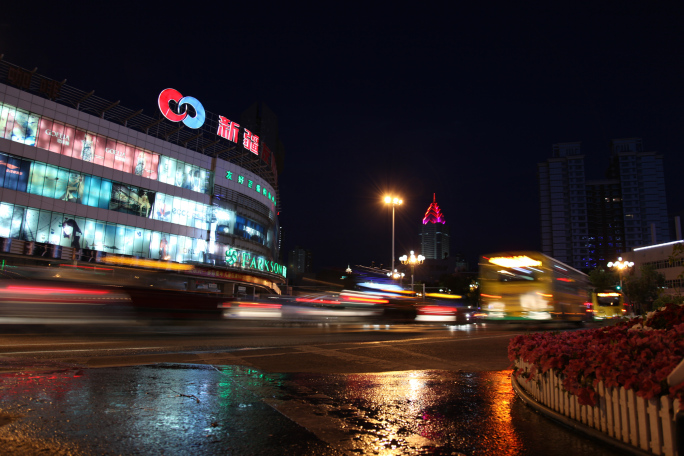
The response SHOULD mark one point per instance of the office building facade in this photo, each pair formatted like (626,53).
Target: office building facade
(586,223)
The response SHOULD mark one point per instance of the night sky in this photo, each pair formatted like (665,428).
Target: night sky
(461,101)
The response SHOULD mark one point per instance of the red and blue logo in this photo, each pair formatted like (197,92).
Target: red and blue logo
(182,116)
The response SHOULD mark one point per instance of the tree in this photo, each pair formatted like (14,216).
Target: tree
(643,289)
(602,279)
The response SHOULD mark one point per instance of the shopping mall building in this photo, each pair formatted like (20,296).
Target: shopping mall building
(84,179)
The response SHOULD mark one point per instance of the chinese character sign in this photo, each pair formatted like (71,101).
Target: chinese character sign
(251,142)
(228,129)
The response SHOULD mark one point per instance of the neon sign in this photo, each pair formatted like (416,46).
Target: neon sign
(259,189)
(227,129)
(168,95)
(246,260)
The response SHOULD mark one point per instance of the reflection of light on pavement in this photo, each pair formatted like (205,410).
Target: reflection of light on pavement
(501,431)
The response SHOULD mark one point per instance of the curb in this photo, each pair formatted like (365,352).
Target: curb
(577,426)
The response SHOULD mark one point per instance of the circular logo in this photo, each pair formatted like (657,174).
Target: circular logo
(168,95)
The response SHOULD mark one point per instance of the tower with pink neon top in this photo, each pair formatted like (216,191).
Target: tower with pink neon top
(434,236)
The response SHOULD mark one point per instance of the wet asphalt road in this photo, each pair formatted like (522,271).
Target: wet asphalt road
(59,407)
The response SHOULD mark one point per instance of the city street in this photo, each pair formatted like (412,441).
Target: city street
(269,390)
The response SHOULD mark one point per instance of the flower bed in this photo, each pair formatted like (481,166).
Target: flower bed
(637,354)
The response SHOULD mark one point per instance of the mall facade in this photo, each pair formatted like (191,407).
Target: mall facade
(83,179)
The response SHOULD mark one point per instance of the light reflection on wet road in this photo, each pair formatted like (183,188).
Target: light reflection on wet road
(193,409)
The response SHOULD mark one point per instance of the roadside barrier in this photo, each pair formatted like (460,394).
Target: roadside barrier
(646,425)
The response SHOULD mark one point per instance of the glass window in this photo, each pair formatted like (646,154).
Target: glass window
(146,238)
(109,244)
(6,211)
(75,189)
(12,170)
(56,133)
(127,159)
(155,247)
(120,242)
(56,221)
(89,234)
(105,194)
(99,235)
(61,184)
(43,229)
(162,207)
(6,121)
(3,168)
(110,152)
(77,232)
(167,170)
(163,247)
(50,181)
(25,127)
(17,220)
(37,179)
(173,248)
(91,190)
(138,239)
(128,247)
(30,224)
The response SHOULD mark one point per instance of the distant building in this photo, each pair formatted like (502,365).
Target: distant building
(586,223)
(658,257)
(434,236)
(300,261)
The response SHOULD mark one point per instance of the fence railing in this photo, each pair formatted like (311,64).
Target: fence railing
(645,424)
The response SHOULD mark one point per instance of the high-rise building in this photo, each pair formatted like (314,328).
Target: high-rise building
(563,205)
(300,261)
(585,223)
(434,237)
(642,181)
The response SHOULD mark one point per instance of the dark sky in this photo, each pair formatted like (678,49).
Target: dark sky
(461,101)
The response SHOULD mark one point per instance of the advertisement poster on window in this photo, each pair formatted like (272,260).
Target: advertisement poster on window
(18,125)
(131,200)
(75,186)
(56,137)
(14,173)
(89,147)
(162,209)
(146,164)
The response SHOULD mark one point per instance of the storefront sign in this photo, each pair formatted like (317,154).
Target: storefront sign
(250,184)
(227,129)
(246,260)
(168,95)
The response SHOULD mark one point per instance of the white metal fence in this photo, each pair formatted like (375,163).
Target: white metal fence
(646,424)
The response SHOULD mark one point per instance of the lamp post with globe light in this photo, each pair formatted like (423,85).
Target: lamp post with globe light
(620,266)
(394,201)
(396,275)
(412,261)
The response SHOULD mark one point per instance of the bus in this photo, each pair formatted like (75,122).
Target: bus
(608,304)
(528,285)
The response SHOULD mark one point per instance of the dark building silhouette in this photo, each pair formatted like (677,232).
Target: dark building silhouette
(586,223)
(300,261)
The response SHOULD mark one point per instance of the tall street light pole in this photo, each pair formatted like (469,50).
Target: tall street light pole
(620,266)
(394,201)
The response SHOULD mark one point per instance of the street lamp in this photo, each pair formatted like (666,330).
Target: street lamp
(396,275)
(413,260)
(620,266)
(394,201)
